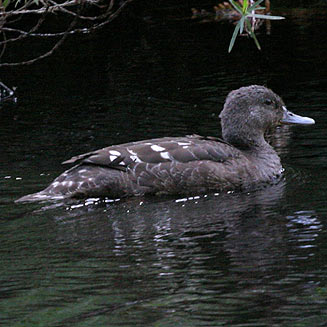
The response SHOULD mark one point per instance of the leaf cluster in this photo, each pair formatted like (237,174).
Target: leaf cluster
(247,20)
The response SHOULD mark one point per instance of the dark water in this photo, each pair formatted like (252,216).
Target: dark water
(257,259)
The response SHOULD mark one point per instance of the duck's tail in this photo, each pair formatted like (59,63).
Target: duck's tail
(39,196)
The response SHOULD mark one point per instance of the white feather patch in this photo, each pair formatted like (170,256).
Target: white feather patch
(114,153)
(132,152)
(157,148)
(165,155)
(112,158)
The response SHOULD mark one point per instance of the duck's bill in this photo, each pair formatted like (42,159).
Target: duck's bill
(290,118)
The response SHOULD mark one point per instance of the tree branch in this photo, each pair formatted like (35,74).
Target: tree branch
(69,8)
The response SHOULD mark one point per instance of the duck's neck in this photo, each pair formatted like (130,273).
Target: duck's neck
(245,141)
(255,146)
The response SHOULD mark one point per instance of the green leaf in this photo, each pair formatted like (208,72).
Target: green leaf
(232,41)
(242,24)
(253,7)
(251,33)
(245,6)
(260,8)
(248,25)
(266,17)
(5,3)
(236,6)
(255,40)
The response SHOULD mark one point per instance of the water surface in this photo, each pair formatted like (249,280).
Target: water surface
(250,259)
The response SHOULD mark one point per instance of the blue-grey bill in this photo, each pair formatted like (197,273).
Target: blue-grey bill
(290,118)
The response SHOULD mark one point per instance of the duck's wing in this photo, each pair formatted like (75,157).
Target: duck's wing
(155,151)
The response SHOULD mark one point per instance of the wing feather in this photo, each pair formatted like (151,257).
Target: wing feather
(156,151)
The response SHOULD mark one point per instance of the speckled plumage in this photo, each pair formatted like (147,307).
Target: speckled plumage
(183,165)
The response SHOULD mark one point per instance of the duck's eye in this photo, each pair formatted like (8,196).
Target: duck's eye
(268,102)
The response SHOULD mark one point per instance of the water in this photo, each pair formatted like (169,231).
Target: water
(253,259)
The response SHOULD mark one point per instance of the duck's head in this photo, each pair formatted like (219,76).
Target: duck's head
(252,110)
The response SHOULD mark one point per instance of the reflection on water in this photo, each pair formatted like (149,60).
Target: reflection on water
(231,257)
(256,259)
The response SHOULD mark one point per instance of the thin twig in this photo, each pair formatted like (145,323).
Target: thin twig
(47,54)
(24,34)
(51,7)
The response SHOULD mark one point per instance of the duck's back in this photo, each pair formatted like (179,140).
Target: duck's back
(177,165)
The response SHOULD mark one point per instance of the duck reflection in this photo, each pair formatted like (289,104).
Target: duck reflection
(248,231)
(208,254)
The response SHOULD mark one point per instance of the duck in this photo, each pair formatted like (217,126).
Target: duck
(193,164)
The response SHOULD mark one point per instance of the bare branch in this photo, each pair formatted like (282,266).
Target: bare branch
(107,10)
(47,54)
(22,33)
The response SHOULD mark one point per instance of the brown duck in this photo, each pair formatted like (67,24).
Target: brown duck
(185,165)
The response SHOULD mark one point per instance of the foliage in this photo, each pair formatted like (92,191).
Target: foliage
(248,19)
